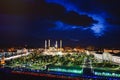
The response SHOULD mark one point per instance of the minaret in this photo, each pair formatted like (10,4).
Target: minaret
(60,44)
(48,43)
(45,44)
(56,45)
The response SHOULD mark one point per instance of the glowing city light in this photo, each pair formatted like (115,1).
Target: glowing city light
(80,71)
(107,74)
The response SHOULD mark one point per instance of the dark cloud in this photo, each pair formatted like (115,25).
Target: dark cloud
(74,18)
(89,6)
(109,7)
(112,6)
(58,12)
(45,10)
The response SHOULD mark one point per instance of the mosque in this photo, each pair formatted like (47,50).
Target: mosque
(53,50)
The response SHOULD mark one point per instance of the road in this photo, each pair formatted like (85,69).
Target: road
(17,56)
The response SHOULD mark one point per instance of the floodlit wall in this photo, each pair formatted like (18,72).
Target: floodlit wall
(107,56)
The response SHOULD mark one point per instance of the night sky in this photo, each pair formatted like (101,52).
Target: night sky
(76,22)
